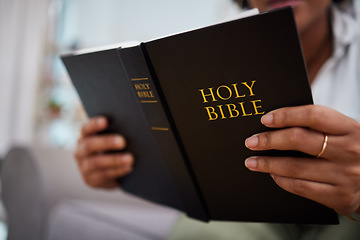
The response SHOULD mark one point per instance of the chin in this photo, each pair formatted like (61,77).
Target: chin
(274,4)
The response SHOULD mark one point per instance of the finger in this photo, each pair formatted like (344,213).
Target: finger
(299,168)
(340,199)
(106,178)
(110,161)
(319,118)
(93,126)
(118,172)
(96,144)
(99,180)
(298,139)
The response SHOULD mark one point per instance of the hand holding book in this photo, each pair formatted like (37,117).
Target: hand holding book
(97,166)
(331,179)
(301,129)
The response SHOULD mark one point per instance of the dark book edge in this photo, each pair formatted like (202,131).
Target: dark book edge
(139,71)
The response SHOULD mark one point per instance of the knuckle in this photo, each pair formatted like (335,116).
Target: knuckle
(352,149)
(299,187)
(347,202)
(353,174)
(111,141)
(87,145)
(83,129)
(86,128)
(110,173)
(297,136)
(355,126)
(93,123)
(265,140)
(315,114)
(295,168)
(96,161)
(84,166)
(81,150)
(281,118)
(116,160)
(265,164)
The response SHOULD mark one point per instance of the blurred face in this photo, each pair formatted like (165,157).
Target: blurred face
(307,12)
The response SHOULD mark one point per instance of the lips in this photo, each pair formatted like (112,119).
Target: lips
(273,4)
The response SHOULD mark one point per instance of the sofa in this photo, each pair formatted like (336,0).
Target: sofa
(45,198)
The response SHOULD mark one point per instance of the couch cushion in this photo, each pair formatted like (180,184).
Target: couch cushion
(93,220)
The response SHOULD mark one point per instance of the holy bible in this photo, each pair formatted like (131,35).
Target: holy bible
(187,102)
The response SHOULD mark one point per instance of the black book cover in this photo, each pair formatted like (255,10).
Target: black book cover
(187,102)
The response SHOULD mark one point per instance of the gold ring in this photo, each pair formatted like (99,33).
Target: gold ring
(323,146)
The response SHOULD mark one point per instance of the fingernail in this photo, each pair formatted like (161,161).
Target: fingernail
(126,159)
(251,162)
(267,119)
(252,141)
(118,141)
(100,122)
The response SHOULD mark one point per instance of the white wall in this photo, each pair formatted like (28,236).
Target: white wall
(22,30)
(115,21)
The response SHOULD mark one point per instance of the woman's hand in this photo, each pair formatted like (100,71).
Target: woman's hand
(333,179)
(98,168)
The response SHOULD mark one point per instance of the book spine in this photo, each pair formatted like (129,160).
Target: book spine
(141,78)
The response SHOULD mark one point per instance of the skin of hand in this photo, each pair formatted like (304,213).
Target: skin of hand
(333,179)
(98,168)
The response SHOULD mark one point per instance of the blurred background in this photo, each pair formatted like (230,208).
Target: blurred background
(38,104)
(37,100)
